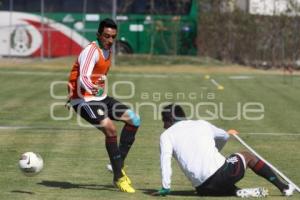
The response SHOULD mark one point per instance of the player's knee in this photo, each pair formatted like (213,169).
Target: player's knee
(134,118)
(108,127)
(110,131)
(247,155)
(250,159)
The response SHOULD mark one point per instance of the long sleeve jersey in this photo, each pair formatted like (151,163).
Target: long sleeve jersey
(192,143)
(90,69)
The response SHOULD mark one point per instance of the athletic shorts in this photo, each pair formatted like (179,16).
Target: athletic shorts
(96,111)
(222,182)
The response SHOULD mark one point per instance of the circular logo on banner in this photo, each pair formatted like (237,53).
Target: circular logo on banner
(21,40)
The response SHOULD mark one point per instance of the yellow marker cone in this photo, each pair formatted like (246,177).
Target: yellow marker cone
(220,87)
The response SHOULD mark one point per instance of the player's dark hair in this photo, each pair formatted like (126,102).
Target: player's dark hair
(107,23)
(173,113)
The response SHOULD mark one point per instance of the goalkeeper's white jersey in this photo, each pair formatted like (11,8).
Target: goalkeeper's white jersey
(192,143)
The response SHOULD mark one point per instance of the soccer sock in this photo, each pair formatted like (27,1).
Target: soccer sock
(265,171)
(127,139)
(113,151)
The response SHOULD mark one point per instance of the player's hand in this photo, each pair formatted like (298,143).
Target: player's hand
(94,90)
(162,192)
(232,132)
(97,91)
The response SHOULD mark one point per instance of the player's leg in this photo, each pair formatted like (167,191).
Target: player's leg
(222,182)
(96,114)
(121,112)
(232,172)
(263,170)
(111,144)
(129,130)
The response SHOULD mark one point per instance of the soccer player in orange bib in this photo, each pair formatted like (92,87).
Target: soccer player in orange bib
(88,96)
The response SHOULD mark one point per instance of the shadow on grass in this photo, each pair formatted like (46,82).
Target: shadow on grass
(184,193)
(22,192)
(68,185)
(173,193)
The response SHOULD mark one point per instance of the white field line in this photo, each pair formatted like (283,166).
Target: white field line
(273,134)
(133,75)
(215,82)
(57,128)
(13,127)
(142,75)
(218,85)
(35,73)
(241,77)
(39,128)
(130,75)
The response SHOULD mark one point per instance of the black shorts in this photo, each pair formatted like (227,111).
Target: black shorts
(96,111)
(222,182)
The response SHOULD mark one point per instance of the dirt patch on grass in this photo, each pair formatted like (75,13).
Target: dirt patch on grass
(185,69)
(37,63)
(65,64)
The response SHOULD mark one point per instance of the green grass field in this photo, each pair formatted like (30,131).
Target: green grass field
(33,118)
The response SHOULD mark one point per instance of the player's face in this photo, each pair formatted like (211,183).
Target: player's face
(108,37)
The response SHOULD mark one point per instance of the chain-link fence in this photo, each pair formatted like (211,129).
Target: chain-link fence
(46,28)
(52,28)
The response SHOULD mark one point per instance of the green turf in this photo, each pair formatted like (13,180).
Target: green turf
(75,157)
(137,60)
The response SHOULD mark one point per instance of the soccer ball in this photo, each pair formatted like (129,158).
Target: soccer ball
(31,163)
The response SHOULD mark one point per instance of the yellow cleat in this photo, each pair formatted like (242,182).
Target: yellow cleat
(124,186)
(125,175)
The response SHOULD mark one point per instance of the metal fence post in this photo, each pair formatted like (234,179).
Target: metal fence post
(43,28)
(114,14)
